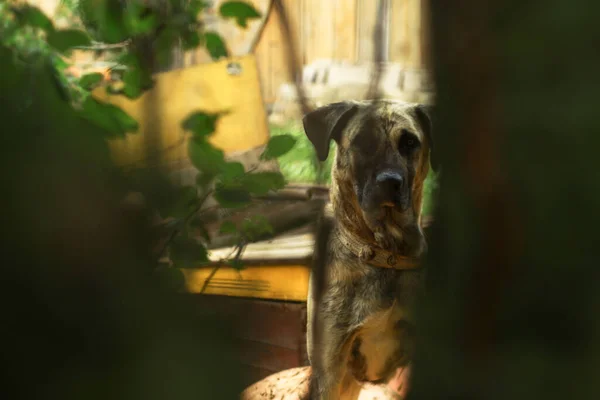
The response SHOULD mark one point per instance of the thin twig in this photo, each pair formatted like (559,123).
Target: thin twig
(104,46)
(185,221)
(292,59)
(238,250)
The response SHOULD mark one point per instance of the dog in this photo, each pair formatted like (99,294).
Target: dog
(361,325)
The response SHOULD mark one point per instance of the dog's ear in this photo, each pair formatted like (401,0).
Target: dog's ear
(424,115)
(327,123)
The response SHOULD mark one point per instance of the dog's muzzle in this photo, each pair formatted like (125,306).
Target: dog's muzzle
(389,190)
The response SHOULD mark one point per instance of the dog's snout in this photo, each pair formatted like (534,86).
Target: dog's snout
(390,185)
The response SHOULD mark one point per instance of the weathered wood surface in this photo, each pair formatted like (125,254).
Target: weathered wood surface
(270,335)
(275,280)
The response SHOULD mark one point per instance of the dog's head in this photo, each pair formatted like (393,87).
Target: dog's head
(382,160)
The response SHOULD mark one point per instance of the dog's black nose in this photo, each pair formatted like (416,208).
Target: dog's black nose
(390,184)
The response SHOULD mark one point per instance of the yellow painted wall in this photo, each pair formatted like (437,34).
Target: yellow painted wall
(177,94)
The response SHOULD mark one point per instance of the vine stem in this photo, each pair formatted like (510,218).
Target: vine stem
(238,253)
(185,221)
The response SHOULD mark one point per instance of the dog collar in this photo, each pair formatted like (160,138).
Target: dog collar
(375,255)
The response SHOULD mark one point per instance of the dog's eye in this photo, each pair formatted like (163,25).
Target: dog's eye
(408,142)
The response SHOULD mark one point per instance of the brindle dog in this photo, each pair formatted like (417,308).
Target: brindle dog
(365,327)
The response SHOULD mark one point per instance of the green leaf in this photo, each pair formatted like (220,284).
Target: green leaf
(205,178)
(138,20)
(59,63)
(58,83)
(186,252)
(185,197)
(240,10)
(205,156)
(215,45)
(231,171)
(278,146)
(164,44)
(105,18)
(135,78)
(132,80)
(261,183)
(191,40)
(201,123)
(127,122)
(95,111)
(108,116)
(232,197)
(34,17)
(228,227)
(253,228)
(195,6)
(89,81)
(64,40)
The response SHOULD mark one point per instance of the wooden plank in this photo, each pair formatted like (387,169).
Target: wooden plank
(322,35)
(281,282)
(407,33)
(293,248)
(268,357)
(425,35)
(367,10)
(399,31)
(270,322)
(345,22)
(270,335)
(271,50)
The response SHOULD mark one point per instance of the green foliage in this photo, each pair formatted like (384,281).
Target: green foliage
(65,40)
(22,29)
(137,20)
(240,11)
(110,117)
(215,45)
(300,165)
(205,157)
(278,146)
(90,81)
(140,38)
(255,227)
(228,227)
(201,124)
(261,183)
(186,252)
(33,17)
(105,20)
(232,196)
(430,189)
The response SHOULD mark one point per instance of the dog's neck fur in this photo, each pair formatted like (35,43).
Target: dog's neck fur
(346,210)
